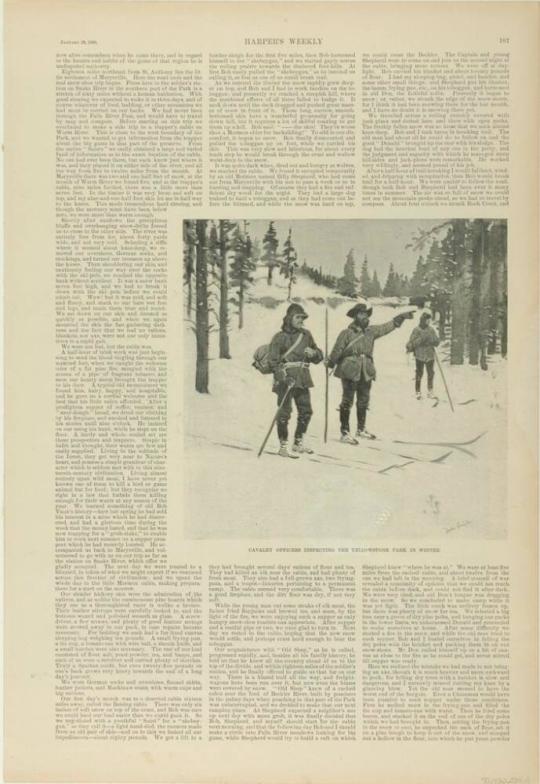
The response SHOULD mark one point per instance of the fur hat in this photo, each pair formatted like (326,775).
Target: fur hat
(295,309)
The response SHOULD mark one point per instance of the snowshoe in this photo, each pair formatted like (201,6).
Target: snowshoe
(284,452)
(300,447)
(365,434)
(346,438)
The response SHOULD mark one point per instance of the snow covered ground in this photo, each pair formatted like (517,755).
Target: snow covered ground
(431,473)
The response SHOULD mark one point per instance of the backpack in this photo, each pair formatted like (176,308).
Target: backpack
(260,356)
(260,359)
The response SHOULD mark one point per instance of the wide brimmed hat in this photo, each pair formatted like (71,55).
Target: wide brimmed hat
(360,308)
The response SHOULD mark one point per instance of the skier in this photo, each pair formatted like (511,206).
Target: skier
(352,356)
(422,342)
(290,353)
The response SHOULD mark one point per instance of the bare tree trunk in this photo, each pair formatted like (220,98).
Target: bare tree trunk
(457,345)
(289,290)
(443,318)
(224,351)
(190,288)
(201,313)
(494,294)
(459,296)
(504,326)
(270,271)
(503,277)
(497,284)
(241,303)
(484,295)
(189,265)
(474,321)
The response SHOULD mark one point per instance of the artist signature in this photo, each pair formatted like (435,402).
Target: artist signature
(505,780)
(461,524)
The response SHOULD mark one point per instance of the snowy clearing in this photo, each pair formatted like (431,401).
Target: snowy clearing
(431,473)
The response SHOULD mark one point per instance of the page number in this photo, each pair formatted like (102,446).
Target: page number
(504,40)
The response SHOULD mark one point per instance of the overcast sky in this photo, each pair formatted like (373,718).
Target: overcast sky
(326,242)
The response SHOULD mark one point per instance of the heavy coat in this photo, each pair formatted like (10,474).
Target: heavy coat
(423,341)
(280,345)
(355,362)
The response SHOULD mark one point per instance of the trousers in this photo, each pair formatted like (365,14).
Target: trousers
(420,372)
(362,391)
(302,399)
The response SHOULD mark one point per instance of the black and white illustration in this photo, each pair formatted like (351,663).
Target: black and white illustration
(345,378)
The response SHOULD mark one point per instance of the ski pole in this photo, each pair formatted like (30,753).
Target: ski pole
(444,380)
(285,396)
(327,377)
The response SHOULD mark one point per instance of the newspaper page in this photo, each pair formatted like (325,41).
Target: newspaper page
(271,401)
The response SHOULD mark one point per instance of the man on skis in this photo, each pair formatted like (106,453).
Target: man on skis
(290,353)
(422,342)
(352,356)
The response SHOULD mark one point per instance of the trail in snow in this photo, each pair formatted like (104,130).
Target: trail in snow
(431,473)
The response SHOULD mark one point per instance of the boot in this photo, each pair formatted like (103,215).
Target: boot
(419,396)
(346,438)
(300,447)
(344,415)
(365,434)
(284,452)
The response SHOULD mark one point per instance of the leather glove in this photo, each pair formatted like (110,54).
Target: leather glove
(399,319)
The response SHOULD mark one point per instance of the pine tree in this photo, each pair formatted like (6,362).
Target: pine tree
(376,290)
(270,246)
(317,275)
(348,284)
(365,282)
(418,287)
(241,268)
(390,285)
(401,285)
(433,270)
(289,263)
